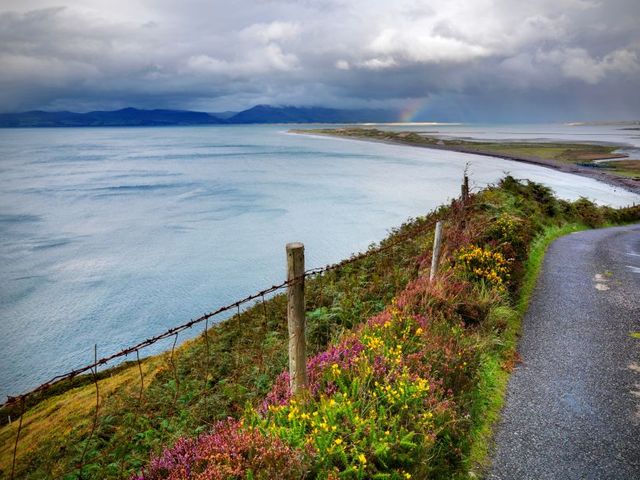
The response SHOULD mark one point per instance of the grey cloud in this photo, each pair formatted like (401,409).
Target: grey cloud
(559,56)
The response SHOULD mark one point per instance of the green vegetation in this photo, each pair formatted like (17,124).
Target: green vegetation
(583,154)
(494,371)
(407,376)
(624,168)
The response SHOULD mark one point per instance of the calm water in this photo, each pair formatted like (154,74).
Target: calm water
(111,235)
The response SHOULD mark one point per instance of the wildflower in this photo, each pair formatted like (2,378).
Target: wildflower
(337,441)
(362,459)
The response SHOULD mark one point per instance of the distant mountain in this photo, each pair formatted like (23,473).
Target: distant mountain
(127,117)
(223,115)
(269,114)
(132,117)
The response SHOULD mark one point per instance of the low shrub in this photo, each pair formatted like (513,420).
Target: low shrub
(231,450)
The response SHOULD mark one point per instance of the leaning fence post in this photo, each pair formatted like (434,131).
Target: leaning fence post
(295,317)
(437,242)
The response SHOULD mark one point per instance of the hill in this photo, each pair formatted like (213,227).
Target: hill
(126,117)
(406,375)
(133,117)
(288,114)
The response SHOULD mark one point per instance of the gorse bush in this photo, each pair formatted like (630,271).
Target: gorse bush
(483,265)
(511,235)
(375,403)
(380,401)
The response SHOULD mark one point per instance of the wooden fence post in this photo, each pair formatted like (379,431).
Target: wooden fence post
(465,189)
(437,242)
(295,317)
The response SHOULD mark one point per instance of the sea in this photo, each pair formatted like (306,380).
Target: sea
(111,235)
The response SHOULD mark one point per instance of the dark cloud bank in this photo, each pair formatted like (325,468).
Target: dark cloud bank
(481,60)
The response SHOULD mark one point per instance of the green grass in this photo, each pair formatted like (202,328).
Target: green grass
(625,168)
(247,353)
(559,152)
(532,219)
(497,364)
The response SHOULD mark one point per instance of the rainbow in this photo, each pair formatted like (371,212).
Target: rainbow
(412,109)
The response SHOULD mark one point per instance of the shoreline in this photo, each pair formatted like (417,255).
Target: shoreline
(628,184)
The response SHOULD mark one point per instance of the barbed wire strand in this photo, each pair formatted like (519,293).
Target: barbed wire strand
(93,367)
(400,238)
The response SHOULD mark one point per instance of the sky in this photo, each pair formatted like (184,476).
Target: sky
(447,60)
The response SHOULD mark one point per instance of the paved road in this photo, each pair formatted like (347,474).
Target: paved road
(573,406)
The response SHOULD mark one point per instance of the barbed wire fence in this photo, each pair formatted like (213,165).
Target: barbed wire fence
(397,239)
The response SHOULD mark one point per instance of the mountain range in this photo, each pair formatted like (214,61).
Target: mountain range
(130,117)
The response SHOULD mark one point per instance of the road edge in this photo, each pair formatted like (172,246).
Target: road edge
(497,368)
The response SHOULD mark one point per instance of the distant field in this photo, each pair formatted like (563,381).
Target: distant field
(625,168)
(563,153)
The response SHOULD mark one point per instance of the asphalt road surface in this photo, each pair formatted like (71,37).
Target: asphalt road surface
(572,408)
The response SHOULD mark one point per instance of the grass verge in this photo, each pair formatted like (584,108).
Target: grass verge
(494,373)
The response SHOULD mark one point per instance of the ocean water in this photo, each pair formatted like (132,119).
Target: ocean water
(111,235)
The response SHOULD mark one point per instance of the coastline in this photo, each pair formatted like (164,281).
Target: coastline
(628,184)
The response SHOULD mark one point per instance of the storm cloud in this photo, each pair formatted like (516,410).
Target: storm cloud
(445,59)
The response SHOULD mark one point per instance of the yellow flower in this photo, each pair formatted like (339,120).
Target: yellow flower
(362,459)
(407,475)
(337,441)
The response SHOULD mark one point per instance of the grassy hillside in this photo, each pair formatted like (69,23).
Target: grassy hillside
(406,375)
